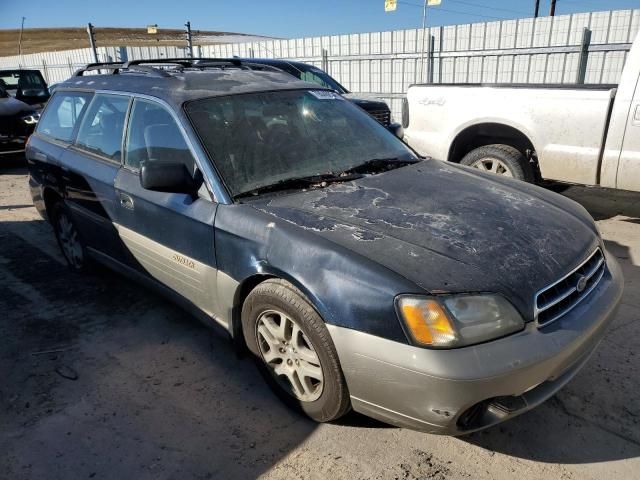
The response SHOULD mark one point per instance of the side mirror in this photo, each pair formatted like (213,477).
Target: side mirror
(32,93)
(168,177)
(397,130)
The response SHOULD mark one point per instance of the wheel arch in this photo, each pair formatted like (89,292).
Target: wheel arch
(246,286)
(50,197)
(489,133)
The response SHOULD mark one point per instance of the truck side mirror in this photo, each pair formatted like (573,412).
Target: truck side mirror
(397,130)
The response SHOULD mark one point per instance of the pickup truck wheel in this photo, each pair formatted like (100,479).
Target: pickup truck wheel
(502,160)
(69,239)
(294,351)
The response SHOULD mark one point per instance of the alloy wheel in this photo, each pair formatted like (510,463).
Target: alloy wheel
(289,355)
(70,241)
(493,165)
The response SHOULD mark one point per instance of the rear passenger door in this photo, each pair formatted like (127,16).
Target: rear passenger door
(54,134)
(90,167)
(169,236)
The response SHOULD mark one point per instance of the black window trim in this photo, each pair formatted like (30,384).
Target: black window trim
(125,143)
(76,127)
(211,178)
(81,148)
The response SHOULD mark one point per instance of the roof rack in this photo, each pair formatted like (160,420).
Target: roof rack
(144,65)
(116,67)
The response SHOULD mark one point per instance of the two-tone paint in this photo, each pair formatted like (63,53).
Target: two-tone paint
(431,228)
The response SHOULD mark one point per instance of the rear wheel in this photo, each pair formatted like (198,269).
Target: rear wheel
(294,350)
(69,239)
(503,160)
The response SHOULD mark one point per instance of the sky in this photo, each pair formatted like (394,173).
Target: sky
(282,18)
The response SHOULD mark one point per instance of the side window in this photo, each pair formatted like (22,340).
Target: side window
(62,113)
(154,136)
(103,125)
(31,80)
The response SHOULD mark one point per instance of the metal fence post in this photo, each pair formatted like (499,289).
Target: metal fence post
(44,70)
(584,56)
(92,41)
(431,48)
(325,60)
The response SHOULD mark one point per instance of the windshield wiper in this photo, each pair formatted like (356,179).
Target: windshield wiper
(318,181)
(376,165)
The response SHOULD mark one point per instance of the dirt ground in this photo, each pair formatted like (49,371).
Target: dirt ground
(158,396)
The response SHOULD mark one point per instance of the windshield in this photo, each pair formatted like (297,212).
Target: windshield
(260,139)
(315,75)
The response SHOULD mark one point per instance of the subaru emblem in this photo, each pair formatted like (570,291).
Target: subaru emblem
(582,283)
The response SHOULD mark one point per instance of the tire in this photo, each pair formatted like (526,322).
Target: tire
(69,239)
(268,307)
(502,160)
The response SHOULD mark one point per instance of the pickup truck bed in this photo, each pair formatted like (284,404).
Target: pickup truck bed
(588,134)
(564,125)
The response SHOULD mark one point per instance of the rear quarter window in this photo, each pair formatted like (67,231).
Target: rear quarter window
(62,114)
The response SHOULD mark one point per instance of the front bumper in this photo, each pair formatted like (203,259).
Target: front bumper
(459,391)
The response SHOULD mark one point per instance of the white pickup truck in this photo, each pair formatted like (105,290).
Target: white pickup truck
(587,134)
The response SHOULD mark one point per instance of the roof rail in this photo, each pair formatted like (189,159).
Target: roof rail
(144,65)
(98,66)
(183,61)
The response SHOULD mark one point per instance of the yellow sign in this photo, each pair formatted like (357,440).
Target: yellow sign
(390,5)
(433,3)
(152,29)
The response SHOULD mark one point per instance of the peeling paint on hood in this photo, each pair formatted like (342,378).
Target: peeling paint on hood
(448,228)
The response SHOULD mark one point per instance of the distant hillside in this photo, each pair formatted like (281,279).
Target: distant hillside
(36,40)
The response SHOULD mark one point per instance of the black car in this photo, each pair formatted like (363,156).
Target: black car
(28,86)
(357,274)
(17,121)
(309,73)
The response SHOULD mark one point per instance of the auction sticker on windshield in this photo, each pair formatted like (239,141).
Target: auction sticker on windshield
(325,95)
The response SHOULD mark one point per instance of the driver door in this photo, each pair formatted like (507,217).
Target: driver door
(169,236)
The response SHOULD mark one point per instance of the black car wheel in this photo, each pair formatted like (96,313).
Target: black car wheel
(69,239)
(294,350)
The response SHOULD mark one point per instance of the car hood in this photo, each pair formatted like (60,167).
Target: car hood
(449,228)
(10,106)
(370,104)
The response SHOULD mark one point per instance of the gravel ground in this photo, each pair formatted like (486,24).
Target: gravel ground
(158,396)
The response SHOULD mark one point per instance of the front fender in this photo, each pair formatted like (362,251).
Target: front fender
(345,288)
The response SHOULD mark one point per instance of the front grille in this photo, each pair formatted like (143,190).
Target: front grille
(558,299)
(382,116)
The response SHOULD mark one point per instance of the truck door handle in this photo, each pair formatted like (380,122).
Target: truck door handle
(126,201)
(636,116)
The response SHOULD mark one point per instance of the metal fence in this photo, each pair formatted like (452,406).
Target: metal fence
(579,48)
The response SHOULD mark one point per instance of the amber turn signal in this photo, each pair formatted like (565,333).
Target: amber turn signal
(427,322)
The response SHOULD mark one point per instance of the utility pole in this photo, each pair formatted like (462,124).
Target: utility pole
(189,39)
(552,12)
(92,42)
(20,39)
(537,9)
(424,34)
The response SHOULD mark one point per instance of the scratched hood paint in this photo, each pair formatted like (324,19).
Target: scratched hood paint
(449,229)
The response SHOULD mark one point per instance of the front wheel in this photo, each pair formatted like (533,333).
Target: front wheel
(503,160)
(294,350)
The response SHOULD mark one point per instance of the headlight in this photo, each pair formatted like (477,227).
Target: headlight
(458,320)
(31,119)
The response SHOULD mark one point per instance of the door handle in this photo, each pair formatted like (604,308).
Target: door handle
(126,201)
